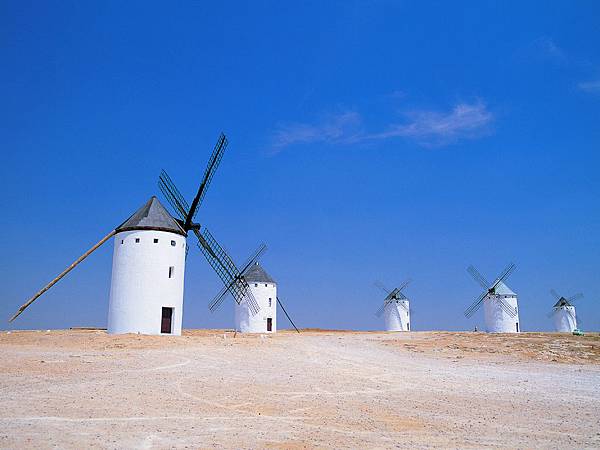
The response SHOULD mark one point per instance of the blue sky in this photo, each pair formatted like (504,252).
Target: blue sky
(368,140)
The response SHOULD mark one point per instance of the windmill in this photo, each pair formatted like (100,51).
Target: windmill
(499,302)
(395,308)
(150,248)
(264,290)
(146,293)
(563,312)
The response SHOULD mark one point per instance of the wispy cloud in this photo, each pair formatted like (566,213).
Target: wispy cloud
(592,87)
(434,128)
(546,48)
(339,128)
(427,127)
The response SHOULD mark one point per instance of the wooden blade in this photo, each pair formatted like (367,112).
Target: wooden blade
(391,297)
(211,167)
(475,305)
(379,312)
(554,294)
(574,298)
(380,285)
(478,277)
(403,285)
(173,196)
(216,302)
(506,307)
(226,269)
(504,275)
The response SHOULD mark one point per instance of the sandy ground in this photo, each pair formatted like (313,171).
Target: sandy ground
(80,389)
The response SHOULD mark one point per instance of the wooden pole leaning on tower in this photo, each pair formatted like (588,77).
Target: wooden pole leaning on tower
(63,273)
(287,315)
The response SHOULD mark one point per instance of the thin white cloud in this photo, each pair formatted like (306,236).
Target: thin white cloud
(546,48)
(592,87)
(338,128)
(434,128)
(428,128)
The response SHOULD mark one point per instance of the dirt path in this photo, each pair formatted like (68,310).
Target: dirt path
(80,389)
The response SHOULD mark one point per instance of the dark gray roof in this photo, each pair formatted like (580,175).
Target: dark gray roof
(562,302)
(256,274)
(152,216)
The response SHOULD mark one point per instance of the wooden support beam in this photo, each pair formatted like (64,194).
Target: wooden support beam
(64,272)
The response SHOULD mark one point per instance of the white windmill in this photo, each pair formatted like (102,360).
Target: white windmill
(395,308)
(146,289)
(563,312)
(499,303)
(146,294)
(264,291)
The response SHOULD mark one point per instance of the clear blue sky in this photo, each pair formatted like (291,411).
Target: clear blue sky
(368,140)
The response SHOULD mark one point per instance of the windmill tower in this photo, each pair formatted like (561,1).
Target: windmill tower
(499,303)
(563,312)
(257,313)
(150,248)
(264,289)
(395,308)
(146,290)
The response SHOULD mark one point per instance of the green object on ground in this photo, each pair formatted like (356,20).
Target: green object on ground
(578,332)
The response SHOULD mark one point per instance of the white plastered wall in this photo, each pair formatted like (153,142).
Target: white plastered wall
(140,284)
(396,317)
(497,320)
(266,297)
(563,321)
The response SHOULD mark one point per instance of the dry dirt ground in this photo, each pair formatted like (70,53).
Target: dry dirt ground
(81,389)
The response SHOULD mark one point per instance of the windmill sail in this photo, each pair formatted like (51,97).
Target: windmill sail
(490,289)
(211,167)
(226,269)
(173,196)
(216,302)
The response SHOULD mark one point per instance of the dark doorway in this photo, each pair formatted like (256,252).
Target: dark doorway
(407,326)
(517,327)
(269,324)
(165,324)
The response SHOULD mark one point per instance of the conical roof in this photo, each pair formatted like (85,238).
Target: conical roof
(562,302)
(256,274)
(502,289)
(152,216)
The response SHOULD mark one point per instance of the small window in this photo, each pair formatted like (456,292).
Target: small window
(155,241)
(255,284)
(172,243)
(122,241)
(270,301)
(171,271)
(137,240)
(266,284)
